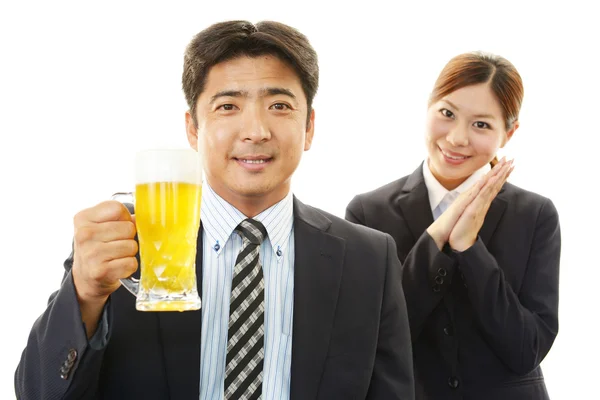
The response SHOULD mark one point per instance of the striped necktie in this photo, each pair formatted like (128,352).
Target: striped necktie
(245,342)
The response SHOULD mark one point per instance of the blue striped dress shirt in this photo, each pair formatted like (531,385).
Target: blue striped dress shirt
(221,246)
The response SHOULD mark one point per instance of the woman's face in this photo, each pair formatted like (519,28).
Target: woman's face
(465,129)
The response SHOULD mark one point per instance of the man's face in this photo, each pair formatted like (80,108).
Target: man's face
(252,128)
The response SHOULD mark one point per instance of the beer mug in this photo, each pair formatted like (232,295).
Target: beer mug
(168,191)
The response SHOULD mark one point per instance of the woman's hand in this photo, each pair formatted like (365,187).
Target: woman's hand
(465,230)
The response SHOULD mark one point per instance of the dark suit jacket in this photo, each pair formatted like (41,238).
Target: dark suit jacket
(351,338)
(481,320)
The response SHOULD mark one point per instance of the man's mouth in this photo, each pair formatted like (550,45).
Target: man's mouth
(254,163)
(251,161)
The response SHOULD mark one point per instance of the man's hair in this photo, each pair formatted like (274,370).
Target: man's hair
(228,40)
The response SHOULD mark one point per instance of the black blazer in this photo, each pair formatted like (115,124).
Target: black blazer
(481,320)
(351,338)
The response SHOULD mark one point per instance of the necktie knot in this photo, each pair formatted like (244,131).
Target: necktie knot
(252,230)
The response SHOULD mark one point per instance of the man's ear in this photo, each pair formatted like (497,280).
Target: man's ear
(310,131)
(191,129)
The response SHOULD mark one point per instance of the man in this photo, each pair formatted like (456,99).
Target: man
(331,322)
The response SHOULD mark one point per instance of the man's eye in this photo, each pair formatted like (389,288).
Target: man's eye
(280,106)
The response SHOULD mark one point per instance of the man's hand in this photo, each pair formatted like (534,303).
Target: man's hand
(104,252)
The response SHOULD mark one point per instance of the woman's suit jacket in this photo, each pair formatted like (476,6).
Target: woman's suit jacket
(481,320)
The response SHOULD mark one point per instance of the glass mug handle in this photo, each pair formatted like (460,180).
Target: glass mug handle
(127,198)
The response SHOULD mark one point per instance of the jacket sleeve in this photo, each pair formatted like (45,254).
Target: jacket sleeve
(58,362)
(519,325)
(393,370)
(426,272)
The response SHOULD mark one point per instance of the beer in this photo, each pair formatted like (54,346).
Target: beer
(167,215)
(167,218)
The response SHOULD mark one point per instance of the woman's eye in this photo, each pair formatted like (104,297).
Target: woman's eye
(482,125)
(447,113)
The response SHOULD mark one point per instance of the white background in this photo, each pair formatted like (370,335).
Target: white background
(83,85)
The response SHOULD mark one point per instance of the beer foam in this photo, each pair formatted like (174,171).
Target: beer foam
(168,165)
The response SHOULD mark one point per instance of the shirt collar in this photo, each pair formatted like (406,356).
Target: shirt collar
(219,219)
(437,192)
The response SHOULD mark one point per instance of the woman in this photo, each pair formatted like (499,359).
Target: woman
(480,256)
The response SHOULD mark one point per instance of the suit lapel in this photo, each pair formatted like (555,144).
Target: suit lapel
(413,202)
(180,334)
(317,276)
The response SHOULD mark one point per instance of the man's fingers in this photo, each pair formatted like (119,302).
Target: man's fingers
(120,249)
(122,268)
(98,253)
(110,210)
(105,231)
